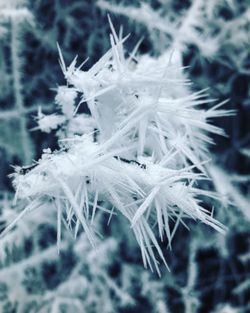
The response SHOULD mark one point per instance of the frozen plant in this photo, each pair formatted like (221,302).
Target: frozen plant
(210,26)
(141,151)
(14,15)
(179,30)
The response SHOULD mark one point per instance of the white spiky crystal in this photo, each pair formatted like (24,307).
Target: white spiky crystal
(142,149)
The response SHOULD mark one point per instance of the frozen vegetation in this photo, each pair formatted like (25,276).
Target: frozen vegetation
(128,189)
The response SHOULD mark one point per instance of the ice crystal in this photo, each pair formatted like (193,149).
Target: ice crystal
(140,153)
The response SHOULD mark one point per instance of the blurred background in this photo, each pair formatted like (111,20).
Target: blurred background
(209,272)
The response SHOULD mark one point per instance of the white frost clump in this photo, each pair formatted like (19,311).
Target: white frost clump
(46,123)
(141,152)
(66,99)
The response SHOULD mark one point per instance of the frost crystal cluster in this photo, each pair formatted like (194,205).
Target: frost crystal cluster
(139,150)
